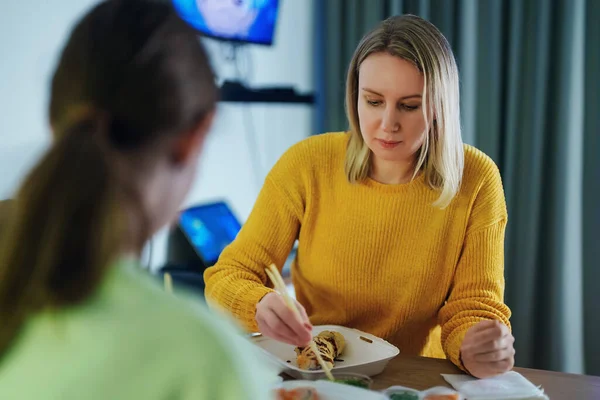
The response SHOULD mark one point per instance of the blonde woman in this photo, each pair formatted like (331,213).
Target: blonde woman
(400,225)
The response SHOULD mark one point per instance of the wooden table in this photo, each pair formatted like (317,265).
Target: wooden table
(422,373)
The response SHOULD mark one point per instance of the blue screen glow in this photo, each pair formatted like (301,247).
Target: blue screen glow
(251,21)
(210,228)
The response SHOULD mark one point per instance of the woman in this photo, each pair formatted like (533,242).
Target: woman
(400,225)
(132,101)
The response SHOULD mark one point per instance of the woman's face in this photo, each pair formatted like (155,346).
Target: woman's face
(389,107)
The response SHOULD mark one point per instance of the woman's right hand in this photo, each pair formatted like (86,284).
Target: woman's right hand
(277,321)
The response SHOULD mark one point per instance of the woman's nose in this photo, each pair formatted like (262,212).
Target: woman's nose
(390,122)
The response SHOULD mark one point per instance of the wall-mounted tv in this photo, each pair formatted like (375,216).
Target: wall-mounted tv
(246,21)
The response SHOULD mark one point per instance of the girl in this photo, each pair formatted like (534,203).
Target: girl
(132,100)
(400,225)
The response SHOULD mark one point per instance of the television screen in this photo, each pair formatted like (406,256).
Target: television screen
(250,21)
(210,228)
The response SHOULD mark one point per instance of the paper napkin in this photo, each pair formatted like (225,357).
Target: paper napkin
(508,386)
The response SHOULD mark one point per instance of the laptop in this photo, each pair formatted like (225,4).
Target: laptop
(209,228)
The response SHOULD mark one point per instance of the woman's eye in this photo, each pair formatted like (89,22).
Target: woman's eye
(408,107)
(374,103)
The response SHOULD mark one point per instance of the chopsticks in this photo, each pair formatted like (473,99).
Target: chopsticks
(168,283)
(275,277)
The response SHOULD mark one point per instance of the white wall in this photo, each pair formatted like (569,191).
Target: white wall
(31,35)
(30,39)
(227,170)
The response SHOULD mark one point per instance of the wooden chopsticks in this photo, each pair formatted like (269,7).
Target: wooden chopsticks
(275,277)
(168,282)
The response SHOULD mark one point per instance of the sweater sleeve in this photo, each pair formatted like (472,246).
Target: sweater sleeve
(477,291)
(237,282)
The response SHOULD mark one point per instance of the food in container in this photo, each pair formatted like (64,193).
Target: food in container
(435,393)
(327,390)
(454,396)
(404,396)
(301,393)
(330,344)
(350,379)
(363,353)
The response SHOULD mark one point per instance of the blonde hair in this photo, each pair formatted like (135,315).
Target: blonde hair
(441,157)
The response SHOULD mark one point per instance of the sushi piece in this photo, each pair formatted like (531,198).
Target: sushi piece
(442,397)
(297,394)
(330,344)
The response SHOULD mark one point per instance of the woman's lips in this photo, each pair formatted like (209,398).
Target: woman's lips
(388,144)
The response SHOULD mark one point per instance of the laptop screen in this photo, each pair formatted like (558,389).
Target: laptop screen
(210,228)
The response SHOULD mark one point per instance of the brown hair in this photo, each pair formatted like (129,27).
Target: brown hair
(131,72)
(418,41)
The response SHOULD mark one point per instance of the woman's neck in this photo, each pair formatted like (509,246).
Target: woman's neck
(392,172)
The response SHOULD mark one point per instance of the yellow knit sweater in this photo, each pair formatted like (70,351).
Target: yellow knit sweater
(375,257)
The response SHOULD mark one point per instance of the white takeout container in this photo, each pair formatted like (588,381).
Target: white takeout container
(360,356)
(334,391)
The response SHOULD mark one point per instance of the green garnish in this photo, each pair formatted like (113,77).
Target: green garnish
(404,396)
(353,382)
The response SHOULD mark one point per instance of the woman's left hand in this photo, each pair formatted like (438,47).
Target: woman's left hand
(487,349)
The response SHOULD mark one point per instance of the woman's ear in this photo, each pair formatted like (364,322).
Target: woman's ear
(189,144)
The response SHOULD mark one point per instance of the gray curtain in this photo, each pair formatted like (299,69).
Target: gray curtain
(530,81)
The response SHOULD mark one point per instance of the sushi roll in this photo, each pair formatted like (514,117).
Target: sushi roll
(330,344)
(297,394)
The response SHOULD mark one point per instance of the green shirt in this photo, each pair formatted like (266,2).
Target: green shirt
(132,341)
